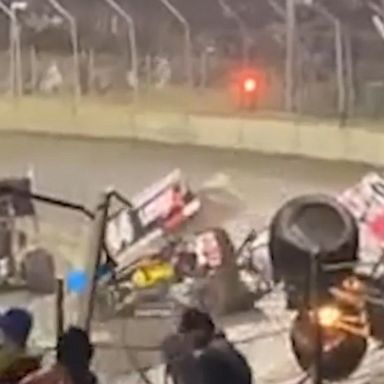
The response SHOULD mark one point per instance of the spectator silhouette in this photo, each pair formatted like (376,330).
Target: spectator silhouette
(200,354)
(74,355)
(15,361)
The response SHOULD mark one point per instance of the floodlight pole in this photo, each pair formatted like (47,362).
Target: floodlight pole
(188,56)
(132,39)
(14,49)
(75,48)
(95,252)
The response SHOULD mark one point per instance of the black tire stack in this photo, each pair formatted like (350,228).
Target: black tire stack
(302,227)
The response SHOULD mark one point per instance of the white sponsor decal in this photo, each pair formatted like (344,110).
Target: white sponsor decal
(159,207)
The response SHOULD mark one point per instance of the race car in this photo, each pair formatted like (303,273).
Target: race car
(203,269)
(196,264)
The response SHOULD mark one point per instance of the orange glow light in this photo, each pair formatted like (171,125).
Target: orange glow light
(329,316)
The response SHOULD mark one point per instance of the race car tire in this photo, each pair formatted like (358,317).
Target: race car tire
(38,271)
(321,222)
(337,362)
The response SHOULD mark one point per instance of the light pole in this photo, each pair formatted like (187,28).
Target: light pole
(132,39)
(188,56)
(75,48)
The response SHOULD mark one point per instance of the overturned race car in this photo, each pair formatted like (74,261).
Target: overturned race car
(198,266)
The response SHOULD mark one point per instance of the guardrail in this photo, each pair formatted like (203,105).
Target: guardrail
(97,119)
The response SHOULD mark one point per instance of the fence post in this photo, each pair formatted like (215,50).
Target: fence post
(91,71)
(231,13)
(14,45)
(75,49)
(15,32)
(188,40)
(349,64)
(339,52)
(34,68)
(132,39)
(290,53)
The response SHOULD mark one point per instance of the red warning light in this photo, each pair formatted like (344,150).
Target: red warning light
(250,85)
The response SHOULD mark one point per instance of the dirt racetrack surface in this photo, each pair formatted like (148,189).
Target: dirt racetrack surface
(79,169)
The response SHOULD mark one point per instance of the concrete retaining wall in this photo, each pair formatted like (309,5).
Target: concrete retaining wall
(315,140)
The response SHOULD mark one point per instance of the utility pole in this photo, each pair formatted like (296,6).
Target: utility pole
(290,55)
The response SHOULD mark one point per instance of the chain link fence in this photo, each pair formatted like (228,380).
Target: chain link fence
(102,68)
(160,85)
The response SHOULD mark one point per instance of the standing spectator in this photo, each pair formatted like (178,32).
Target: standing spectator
(201,354)
(15,361)
(74,355)
(52,80)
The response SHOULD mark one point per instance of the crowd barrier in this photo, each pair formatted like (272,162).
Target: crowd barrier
(314,139)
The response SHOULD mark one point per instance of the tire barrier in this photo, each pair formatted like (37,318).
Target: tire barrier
(302,225)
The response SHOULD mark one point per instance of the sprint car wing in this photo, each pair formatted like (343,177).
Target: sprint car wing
(162,208)
(365,200)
